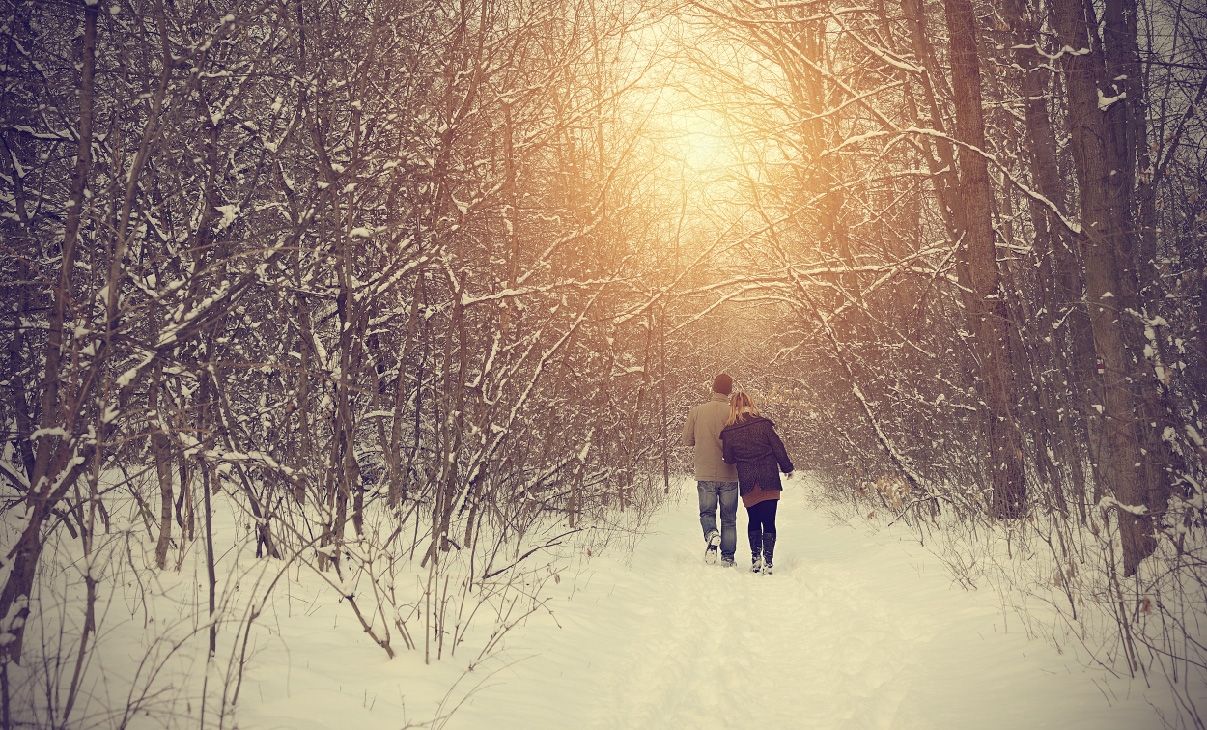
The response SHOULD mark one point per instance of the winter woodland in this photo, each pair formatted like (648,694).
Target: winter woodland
(393,304)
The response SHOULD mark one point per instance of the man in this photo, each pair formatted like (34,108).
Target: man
(716,481)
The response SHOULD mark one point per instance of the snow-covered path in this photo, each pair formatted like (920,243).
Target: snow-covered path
(854,630)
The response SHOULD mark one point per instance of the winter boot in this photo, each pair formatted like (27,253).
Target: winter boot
(710,552)
(756,550)
(768,551)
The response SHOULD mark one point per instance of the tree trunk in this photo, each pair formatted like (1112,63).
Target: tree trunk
(162,453)
(1105,241)
(1060,291)
(988,316)
(55,469)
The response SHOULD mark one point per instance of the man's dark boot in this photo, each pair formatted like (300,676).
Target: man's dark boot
(768,551)
(756,550)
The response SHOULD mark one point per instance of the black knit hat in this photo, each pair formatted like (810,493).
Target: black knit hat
(723,384)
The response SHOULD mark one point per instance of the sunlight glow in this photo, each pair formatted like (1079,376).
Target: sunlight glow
(698,140)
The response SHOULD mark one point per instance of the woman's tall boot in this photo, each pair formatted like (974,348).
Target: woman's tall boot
(756,550)
(768,551)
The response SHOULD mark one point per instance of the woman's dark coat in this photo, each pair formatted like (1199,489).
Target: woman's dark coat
(753,445)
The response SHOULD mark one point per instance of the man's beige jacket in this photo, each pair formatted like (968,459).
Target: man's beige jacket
(704,424)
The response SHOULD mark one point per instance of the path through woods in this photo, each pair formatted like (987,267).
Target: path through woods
(855,630)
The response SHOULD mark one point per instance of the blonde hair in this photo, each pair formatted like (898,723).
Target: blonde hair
(740,405)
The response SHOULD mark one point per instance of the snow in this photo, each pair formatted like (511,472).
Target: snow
(230,213)
(1107,502)
(1105,102)
(860,627)
(856,629)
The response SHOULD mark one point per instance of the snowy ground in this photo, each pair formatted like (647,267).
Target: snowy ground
(855,630)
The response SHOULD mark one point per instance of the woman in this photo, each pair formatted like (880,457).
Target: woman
(749,440)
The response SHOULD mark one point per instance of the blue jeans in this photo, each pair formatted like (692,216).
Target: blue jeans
(725,493)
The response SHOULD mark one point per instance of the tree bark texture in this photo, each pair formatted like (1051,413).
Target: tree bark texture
(1106,248)
(988,317)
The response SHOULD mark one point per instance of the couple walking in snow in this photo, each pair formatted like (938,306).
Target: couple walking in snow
(737,453)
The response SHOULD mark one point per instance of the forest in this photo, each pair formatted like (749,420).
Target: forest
(366,288)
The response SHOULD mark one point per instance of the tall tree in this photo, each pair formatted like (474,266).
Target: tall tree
(987,314)
(1133,475)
